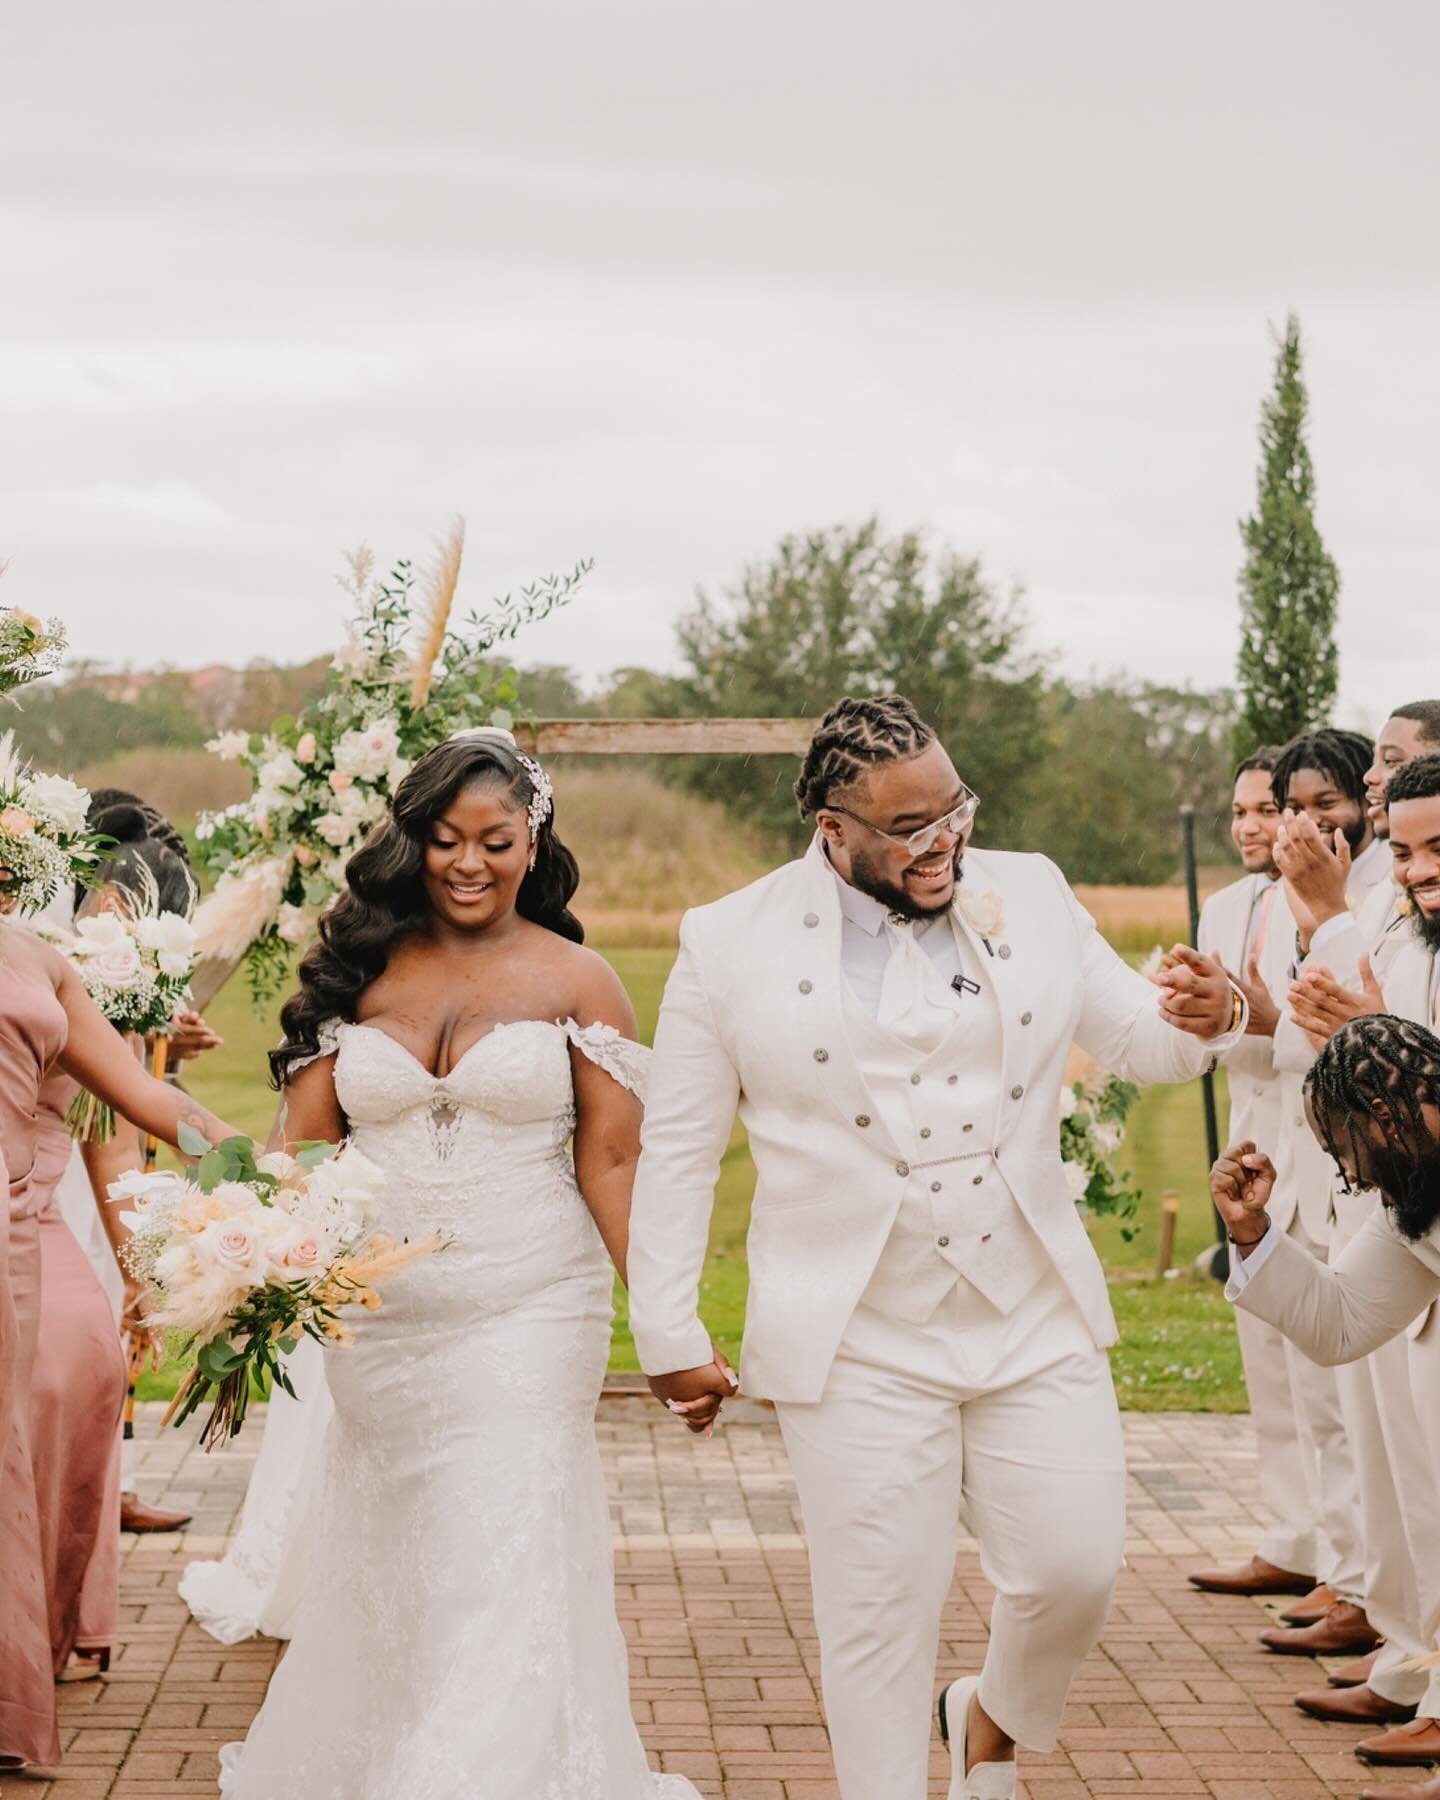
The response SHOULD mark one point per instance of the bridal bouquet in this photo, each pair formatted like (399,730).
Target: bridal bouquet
(29,648)
(252,1253)
(402,683)
(44,842)
(136,962)
(1092,1129)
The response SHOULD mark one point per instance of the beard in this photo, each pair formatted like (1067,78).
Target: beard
(870,878)
(1426,927)
(1410,1187)
(1354,833)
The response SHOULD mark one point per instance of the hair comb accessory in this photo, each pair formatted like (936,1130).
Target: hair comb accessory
(542,799)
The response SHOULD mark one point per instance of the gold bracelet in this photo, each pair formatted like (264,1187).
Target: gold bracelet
(1237,1008)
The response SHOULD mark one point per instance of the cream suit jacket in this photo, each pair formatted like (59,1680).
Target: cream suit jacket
(753,1017)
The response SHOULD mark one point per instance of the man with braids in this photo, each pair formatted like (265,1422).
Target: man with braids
(1329,860)
(1401,977)
(892,1015)
(1373,1101)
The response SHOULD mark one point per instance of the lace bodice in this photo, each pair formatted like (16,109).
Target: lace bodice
(481,1154)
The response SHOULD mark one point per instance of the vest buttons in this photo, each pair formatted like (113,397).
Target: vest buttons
(862,1120)
(1004,953)
(807,987)
(944,1243)
(967,1127)
(934,1187)
(902,1168)
(924,1131)
(914,1081)
(822,1056)
(950,1080)
(812,920)
(1017,1093)
(978,1181)
(1025,1018)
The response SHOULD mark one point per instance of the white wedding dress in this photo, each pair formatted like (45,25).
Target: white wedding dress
(456,1637)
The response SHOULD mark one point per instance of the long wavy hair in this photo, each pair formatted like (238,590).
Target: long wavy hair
(384,900)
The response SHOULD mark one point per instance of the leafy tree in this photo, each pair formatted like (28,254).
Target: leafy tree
(1289,585)
(850,610)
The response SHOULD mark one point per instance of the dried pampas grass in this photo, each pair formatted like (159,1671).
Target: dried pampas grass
(229,920)
(439,599)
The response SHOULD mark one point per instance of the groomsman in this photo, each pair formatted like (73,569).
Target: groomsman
(1401,977)
(1329,859)
(1248,929)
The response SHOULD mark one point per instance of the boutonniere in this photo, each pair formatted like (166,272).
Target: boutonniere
(983,913)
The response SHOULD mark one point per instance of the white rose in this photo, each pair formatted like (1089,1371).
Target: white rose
(58,800)
(399,768)
(368,753)
(172,938)
(1077,1179)
(293,923)
(281,774)
(336,829)
(359,1183)
(1069,1105)
(109,952)
(230,746)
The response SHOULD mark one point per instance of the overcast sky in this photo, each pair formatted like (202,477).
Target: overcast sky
(658,282)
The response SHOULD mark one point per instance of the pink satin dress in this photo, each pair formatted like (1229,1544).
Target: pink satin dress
(32,1035)
(76,1402)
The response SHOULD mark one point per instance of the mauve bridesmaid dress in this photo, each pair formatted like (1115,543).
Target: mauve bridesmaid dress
(32,1035)
(77,1398)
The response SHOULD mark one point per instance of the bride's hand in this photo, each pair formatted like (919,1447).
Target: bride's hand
(696,1395)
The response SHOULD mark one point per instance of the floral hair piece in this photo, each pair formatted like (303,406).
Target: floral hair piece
(542,801)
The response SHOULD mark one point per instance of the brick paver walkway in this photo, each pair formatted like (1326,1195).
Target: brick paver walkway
(1179,1699)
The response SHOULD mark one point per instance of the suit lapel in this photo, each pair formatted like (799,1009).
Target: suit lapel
(995,949)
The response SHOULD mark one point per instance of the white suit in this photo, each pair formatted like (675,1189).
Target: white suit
(1249,918)
(925,1307)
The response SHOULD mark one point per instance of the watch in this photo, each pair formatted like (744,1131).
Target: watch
(1237,1009)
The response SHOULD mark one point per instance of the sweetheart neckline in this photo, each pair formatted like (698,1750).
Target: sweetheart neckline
(459,1063)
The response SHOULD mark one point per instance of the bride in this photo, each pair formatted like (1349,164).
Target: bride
(456,1634)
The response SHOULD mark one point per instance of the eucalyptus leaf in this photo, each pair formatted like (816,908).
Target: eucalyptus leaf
(191,1141)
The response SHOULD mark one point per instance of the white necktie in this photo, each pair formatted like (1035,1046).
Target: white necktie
(915,1004)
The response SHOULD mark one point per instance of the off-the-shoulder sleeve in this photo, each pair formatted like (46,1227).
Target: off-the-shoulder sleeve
(329,1038)
(620,1057)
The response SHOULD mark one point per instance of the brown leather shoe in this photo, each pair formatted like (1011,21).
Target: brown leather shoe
(1314,1606)
(1344,1631)
(135,1515)
(1411,1747)
(1354,1674)
(1354,1706)
(1255,1577)
(1405,1790)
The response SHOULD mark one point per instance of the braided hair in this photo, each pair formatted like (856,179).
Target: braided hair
(1385,1071)
(854,736)
(1345,756)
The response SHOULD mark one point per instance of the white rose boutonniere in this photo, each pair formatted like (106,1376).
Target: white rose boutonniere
(983,913)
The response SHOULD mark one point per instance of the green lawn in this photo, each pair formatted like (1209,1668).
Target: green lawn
(1177,1347)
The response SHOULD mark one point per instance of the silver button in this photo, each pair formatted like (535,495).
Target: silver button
(944,1243)
(924,1131)
(967,1127)
(822,1056)
(934,1187)
(902,1168)
(1017,1093)
(978,1181)
(914,1081)
(1025,1018)
(950,1080)
(985,1237)
(807,987)
(812,920)
(1004,953)
(862,1120)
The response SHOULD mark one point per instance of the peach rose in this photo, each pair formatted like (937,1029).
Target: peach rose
(340,781)
(17,821)
(305,750)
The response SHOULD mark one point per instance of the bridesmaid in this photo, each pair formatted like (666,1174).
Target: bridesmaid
(80,1376)
(46,1017)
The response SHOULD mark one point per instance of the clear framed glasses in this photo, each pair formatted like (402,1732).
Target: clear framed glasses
(921,842)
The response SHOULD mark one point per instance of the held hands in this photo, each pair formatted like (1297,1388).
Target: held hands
(696,1395)
(1195,993)
(1320,1005)
(1241,1184)
(1315,873)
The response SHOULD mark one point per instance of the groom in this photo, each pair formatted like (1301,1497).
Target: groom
(892,1014)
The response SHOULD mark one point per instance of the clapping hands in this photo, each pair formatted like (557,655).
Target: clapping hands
(1320,1006)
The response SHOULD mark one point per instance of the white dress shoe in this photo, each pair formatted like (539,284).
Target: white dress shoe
(986,1781)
